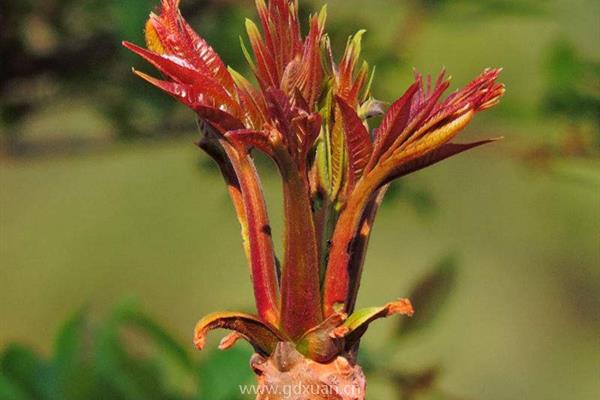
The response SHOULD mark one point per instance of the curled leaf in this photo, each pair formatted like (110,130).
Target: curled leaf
(357,324)
(259,334)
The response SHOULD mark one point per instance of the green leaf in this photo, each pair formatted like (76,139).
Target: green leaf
(74,377)
(130,376)
(25,370)
(357,324)
(430,295)
(11,391)
(68,347)
(160,337)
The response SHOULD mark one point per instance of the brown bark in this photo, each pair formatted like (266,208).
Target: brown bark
(288,375)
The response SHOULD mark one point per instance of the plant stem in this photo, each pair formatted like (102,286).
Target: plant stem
(300,285)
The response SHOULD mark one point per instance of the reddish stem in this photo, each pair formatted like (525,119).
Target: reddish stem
(260,243)
(300,286)
(337,285)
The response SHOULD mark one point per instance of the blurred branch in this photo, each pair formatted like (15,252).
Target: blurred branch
(46,52)
(69,58)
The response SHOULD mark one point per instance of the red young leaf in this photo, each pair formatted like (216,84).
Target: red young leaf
(306,128)
(311,74)
(251,100)
(177,38)
(266,70)
(358,141)
(393,123)
(281,28)
(187,95)
(431,158)
(349,86)
(180,71)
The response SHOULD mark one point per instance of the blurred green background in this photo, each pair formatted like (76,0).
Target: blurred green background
(117,232)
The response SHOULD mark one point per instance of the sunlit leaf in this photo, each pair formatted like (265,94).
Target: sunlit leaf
(394,122)
(358,142)
(338,154)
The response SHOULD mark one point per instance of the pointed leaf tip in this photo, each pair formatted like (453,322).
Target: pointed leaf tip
(446,151)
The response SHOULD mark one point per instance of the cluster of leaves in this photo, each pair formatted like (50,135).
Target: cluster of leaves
(127,357)
(310,114)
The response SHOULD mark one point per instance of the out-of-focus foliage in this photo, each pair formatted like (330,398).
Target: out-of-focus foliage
(68,49)
(573,84)
(429,295)
(573,91)
(572,100)
(126,357)
(63,48)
